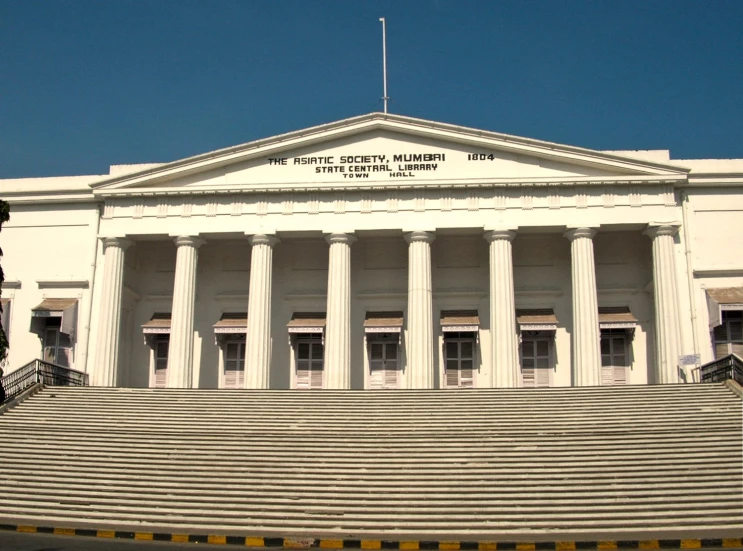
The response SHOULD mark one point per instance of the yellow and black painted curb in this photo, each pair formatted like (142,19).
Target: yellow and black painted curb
(402,545)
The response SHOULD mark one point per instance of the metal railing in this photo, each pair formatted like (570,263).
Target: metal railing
(729,367)
(39,371)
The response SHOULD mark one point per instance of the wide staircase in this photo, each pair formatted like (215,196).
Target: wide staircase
(631,462)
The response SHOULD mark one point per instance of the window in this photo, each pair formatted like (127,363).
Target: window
(309,362)
(538,326)
(536,365)
(459,359)
(157,336)
(233,375)
(57,345)
(728,336)
(614,357)
(55,322)
(382,330)
(307,330)
(383,365)
(160,348)
(230,334)
(6,316)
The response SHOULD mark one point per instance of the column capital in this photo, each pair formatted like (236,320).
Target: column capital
(120,242)
(420,236)
(263,239)
(576,233)
(498,235)
(188,241)
(346,238)
(659,229)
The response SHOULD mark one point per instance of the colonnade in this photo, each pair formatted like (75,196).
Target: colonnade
(586,357)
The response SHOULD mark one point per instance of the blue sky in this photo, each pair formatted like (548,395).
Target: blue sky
(89,83)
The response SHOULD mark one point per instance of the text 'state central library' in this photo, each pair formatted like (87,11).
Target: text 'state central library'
(380,252)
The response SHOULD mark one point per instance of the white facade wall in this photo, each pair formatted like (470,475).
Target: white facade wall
(49,252)
(714,224)
(53,249)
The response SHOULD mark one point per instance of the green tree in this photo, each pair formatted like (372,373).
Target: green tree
(4,217)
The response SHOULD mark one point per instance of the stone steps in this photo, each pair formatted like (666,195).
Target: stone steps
(349,483)
(654,441)
(465,464)
(555,495)
(264,502)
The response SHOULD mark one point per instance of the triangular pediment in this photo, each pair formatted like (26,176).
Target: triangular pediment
(380,150)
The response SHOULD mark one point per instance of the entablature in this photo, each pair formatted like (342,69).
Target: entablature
(216,211)
(398,185)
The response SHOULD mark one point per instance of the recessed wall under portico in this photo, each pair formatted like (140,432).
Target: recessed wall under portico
(460,281)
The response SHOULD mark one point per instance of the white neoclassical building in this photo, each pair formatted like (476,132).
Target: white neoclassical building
(380,252)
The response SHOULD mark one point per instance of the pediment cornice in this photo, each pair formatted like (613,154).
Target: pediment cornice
(159,179)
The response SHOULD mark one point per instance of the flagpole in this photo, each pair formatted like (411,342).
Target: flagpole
(384,60)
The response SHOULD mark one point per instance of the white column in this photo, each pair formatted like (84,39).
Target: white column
(338,324)
(504,355)
(667,323)
(258,341)
(180,351)
(106,367)
(586,332)
(420,311)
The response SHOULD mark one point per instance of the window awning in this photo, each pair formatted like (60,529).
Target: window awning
(538,319)
(65,308)
(159,324)
(616,317)
(460,320)
(53,307)
(721,299)
(232,322)
(307,322)
(383,322)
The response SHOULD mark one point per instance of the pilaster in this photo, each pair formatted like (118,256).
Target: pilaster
(666,303)
(180,351)
(504,354)
(258,338)
(338,325)
(106,370)
(586,332)
(420,315)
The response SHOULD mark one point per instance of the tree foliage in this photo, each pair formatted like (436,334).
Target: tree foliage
(4,217)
